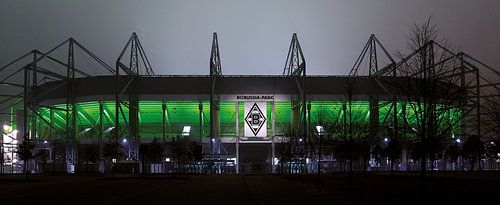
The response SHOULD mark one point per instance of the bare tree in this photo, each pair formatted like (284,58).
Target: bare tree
(181,150)
(491,118)
(431,89)
(25,153)
(351,130)
(473,149)
(112,150)
(88,153)
(42,156)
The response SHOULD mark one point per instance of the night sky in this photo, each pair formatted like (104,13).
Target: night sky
(253,35)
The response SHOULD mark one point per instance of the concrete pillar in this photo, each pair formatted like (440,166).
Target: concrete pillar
(273,117)
(237,135)
(163,120)
(200,123)
(374,117)
(273,156)
(294,117)
(403,159)
(134,116)
(237,155)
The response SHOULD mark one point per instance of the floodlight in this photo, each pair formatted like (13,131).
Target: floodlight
(320,129)
(186,130)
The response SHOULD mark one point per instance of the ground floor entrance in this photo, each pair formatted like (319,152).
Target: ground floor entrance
(255,158)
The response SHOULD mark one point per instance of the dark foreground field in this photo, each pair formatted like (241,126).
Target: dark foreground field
(380,188)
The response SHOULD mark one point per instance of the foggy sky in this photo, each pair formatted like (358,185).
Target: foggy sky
(253,35)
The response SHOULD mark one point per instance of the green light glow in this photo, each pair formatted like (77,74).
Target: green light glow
(187,113)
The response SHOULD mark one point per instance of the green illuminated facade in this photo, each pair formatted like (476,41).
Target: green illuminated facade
(196,114)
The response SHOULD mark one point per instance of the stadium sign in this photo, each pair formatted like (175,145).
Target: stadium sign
(255,119)
(255,97)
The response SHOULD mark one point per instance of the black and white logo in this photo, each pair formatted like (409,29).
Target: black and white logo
(255,119)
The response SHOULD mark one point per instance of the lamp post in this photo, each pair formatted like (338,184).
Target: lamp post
(321,132)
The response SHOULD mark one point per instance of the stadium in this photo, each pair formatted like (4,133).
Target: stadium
(371,119)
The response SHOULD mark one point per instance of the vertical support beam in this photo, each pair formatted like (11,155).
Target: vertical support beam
(100,131)
(214,110)
(273,119)
(134,66)
(373,56)
(215,72)
(33,98)
(212,118)
(374,115)
(11,117)
(463,106)
(273,137)
(25,102)
(237,135)
(294,124)
(478,105)
(70,108)
(237,155)
(51,127)
(237,125)
(395,134)
(309,119)
(200,123)
(116,130)
(133,112)
(305,126)
(163,120)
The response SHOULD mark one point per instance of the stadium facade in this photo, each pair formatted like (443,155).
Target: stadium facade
(294,123)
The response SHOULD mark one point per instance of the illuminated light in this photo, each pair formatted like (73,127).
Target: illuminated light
(300,140)
(186,130)
(386,139)
(7,128)
(109,129)
(213,139)
(492,143)
(45,142)
(87,129)
(320,129)
(124,140)
(167,159)
(458,140)
(276,161)
(308,160)
(113,161)
(187,113)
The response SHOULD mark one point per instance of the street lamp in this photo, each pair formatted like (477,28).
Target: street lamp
(321,132)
